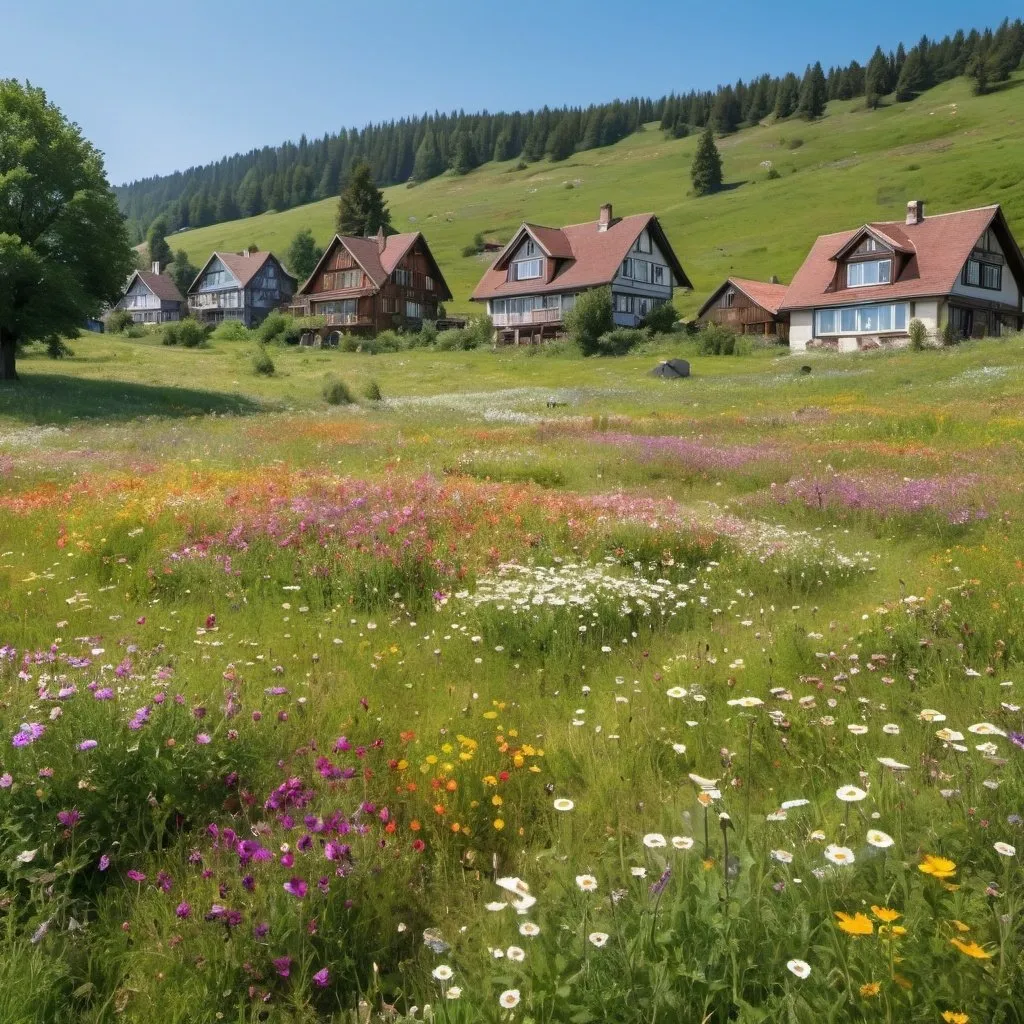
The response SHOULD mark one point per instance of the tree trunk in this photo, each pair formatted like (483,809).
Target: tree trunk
(7,346)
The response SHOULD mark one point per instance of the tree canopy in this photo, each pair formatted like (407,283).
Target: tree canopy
(361,206)
(303,254)
(156,243)
(64,248)
(706,170)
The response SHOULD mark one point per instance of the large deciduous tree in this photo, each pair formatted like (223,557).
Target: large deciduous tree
(706,170)
(303,254)
(361,207)
(64,249)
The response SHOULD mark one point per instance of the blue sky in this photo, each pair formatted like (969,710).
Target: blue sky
(159,87)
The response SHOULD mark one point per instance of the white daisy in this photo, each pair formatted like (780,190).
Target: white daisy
(442,972)
(676,693)
(598,938)
(496,905)
(841,855)
(878,838)
(513,885)
(788,805)
(798,967)
(850,794)
(509,998)
(891,729)
(782,856)
(638,872)
(562,804)
(1005,849)
(745,702)
(857,730)
(588,883)
(529,929)
(682,842)
(453,993)
(516,954)
(985,729)
(654,841)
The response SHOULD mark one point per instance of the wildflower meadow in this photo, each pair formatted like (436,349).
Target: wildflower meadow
(668,701)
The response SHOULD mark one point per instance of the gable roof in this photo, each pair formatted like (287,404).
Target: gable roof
(162,286)
(589,257)
(767,295)
(937,248)
(243,268)
(377,265)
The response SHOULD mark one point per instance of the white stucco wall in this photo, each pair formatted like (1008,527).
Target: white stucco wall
(801,329)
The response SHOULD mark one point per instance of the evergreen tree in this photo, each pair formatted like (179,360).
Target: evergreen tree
(977,71)
(227,208)
(429,162)
(911,78)
(725,117)
(156,243)
(592,134)
(504,145)
(182,271)
(361,206)
(788,95)
(813,93)
(562,144)
(706,170)
(463,157)
(876,83)
(303,254)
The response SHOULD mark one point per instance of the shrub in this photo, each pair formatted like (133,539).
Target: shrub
(119,321)
(477,332)
(716,340)
(280,328)
(589,319)
(794,143)
(191,333)
(135,331)
(57,347)
(262,364)
(372,391)
(171,334)
(386,341)
(918,334)
(350,342)
(773,174)
(949,335)
(231,330)
(661,319)
(427,335)
(336,392)
(620,341)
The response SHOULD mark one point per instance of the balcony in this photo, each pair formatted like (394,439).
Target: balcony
(347,320)
(534,316)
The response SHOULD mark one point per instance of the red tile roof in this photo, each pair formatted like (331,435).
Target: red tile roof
(767,295)
(939,246)
(589,258)
(162,286)
(245,268)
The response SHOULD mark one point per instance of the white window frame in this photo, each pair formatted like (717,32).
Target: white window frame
(841,314)
(524,269)
(861,265)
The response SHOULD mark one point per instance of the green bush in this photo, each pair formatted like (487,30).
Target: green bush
(661,319)
(119,321)
(372,391)
(262,364)
(949,335)
(477,332)
(425,337)
(191,333)
(716,340)
(589,319)
(386,341)
(620,341)
(350,342)
(171,333)
(231,330)
(918,334)
(337,392)
(280,328)
(773,173)
(135,331)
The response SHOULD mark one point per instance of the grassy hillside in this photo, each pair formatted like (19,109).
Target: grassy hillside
(948,147)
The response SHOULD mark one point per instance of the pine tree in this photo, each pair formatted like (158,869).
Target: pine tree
(504,145)
(726,113)
(156,243)
(876,83)
(303,254)
(463,156)
(813,93)
(789,93)
(361,206)
(562,144)
(227,208)
(429,162)
(182,271)
(911,79)
(706,170)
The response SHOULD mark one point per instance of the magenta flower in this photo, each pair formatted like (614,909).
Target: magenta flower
(104,862)
(183,910)
(27,734)
(104,693)
(322,978)
(202,738)
(283,965)
(296,887)
(69,819)
(88,745)
(136,876)
(6,780)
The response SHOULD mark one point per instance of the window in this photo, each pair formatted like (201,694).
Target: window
(530,249)
(403,277)
(641,271)
(862,319)
(642,306)
(497,307)
(627,268)
(643,243)
(859,275)
(428,283)
(414,311)
(657,274)
(349,279)
(338,310)
(730,298)
(870,245)
(526,270)
(987,242)
(983,275)
(623,303)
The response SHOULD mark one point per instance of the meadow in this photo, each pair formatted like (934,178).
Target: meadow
(539,690)
(948,147)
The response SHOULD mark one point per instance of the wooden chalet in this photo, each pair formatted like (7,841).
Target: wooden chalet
(369,285)
(151,297)
(748,307)
(244,286)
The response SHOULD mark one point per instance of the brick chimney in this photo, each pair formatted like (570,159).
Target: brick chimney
(245,253)
(156,266)
(915,211)
(604,221)
(381,239)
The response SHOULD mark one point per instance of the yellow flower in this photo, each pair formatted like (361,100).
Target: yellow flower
(904,983)
(885,914)
(952,1017)
(960,926)
(497,800)
(870,989)
(708,863)
(937,867)
(859,924)
(490,714)
(971,949)
(499,824)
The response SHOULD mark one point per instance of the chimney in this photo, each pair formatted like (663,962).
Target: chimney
(381,239)
(245,253)
(604,222)
(156,266)
(915,211)
(774,279)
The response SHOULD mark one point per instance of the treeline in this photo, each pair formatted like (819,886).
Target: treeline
(417,149)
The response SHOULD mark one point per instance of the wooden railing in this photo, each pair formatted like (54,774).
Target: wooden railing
(534,316)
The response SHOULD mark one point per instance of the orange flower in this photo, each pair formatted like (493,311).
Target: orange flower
(439,808)
(451,786)
(952,1017)
(971,949)
(885,914)
(870,989)
(937,867)
(415,825)
(859,924)
(960,926)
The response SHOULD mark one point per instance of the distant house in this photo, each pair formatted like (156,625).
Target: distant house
(151,297)
(535,280)
(748,307)
(862,288)
(243,286)
(367,285)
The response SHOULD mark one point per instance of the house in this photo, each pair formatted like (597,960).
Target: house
(243,286)
(748,307)
(535,280)
(367,285)
(151,297)
(862,288)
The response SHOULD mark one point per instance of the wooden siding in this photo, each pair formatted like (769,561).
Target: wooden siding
(745,316)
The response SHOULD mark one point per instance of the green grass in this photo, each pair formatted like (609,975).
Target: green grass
(949,147)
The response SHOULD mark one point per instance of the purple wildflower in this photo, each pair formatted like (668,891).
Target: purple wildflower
(658,887)
(6,780)
(104,862)
(136,876)
(27,734)
(202,738)
(104,693)
(88,745)
(296,887)
(183,910)
(69,819)
(283,965)
(322,978)
(261,930)
(1017,738)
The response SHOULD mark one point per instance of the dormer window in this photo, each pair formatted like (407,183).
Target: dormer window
(530,249)
(526,270)
(868,272)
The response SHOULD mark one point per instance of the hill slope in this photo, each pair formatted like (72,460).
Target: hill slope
(948,147)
